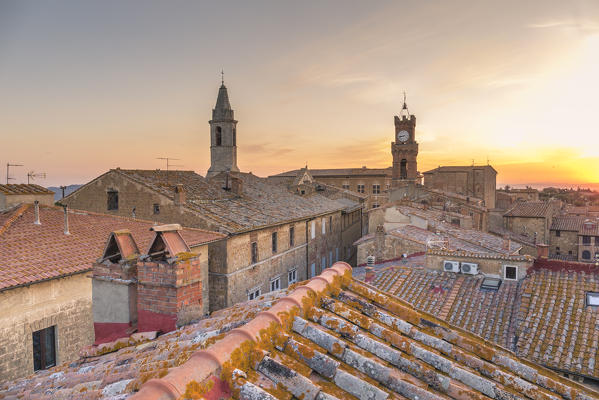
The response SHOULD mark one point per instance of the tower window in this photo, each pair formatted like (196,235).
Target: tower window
(44,348)
(254,253)
(403,169)
(219,136)
(234,136)
(291,236)
(274,242)
(112,200)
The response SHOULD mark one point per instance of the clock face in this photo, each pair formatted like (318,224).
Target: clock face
(403,136)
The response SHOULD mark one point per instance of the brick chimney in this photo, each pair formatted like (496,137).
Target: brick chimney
(170,287)
(180,195)
(542,251)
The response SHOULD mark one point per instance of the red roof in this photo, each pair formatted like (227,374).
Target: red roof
(567,223)
(31,253)
(22,188)
(531,209)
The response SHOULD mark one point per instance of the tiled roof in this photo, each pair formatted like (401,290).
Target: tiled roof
(531,209)
(31,253)
(331,338)
(589,227)
(123,371)
(555,328)
(518,237)
(261,203)
(457,168)
(350,341)
(542,318)
(340,172)
(24,189)
(567,223)
(456,298)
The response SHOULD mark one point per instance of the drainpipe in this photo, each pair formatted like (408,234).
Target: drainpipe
(37,213)
(307,251)
(66,221)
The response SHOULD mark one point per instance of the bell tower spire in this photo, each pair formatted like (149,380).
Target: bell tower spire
(223,134)
(405,148)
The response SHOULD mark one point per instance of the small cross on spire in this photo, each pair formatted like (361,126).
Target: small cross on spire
(222,77)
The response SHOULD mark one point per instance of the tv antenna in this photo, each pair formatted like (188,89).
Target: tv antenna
(32,176)
(168,164)
(8,165)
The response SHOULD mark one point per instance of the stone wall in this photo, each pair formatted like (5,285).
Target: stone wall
(10,200)
(567,242)
(529,226)
(351,225)
(368,181)
(65,303)
(393,247)
(94,197)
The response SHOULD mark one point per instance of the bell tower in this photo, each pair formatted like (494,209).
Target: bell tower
(223,135)
(404,149)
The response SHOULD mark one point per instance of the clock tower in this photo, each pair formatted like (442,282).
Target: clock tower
(404,149)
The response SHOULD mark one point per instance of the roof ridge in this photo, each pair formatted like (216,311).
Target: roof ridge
(17,213)
(204,363)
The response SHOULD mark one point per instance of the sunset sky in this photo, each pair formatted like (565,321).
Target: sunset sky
(87,86)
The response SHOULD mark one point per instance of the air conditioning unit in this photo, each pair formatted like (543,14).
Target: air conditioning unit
(469,268)
(451,266)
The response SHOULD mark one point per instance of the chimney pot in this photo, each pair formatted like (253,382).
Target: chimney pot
(180,195)
(37,212)
(236,185)
(542,251)
(66,221)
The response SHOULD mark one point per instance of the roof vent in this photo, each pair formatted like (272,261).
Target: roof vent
(66,221)
(370,260)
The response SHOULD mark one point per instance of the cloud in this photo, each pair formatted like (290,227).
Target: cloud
(567,24)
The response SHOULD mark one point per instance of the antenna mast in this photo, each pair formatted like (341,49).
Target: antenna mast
(168,164)
(8,165)
(32,176)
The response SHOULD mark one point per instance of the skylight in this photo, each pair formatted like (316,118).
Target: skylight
(491,283)
(593,299)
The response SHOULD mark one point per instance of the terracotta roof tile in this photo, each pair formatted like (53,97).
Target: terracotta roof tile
(532,209)
(31,253)
(12,189)
(567,223)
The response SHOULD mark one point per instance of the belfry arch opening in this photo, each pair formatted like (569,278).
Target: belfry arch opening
(219,136)
(403,169)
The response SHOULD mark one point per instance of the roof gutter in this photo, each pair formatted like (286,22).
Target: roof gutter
(45,280)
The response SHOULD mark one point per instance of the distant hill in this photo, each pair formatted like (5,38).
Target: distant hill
(58,191)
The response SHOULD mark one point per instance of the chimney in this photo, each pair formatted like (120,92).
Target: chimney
(66,221)
(379,242)
(179,195)
(542,251)
(236,185)
(37,212)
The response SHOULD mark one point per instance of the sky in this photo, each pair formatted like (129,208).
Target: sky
(86,86)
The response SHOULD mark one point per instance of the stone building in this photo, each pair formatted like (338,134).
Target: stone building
(275,236)
(588,241)
(532,219)
(505,198)
(474,181)
(13,194)
(45,293)
(563,237)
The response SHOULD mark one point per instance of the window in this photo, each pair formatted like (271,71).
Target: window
(323,223)
(323,263)
(218,137)
(491,284)
(313,269)
(375,205)
(592,299)
(44,348)
(156,208)
(557,252)
(346,187)
(376,189)
(330,258)
(254,252)
(330,224)
(586,255)
(558,233)
(569,252)
(274,242)
(275,284)
(586,240)
(113,200)
(254,293)
(234,136)
(360,188)
(596,240)
(313,230)
(292,276)
(291,236)
(510,272)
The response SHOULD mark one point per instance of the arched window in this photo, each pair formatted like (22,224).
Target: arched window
(219,136)
(403,169)
(586,255)
(234,136)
